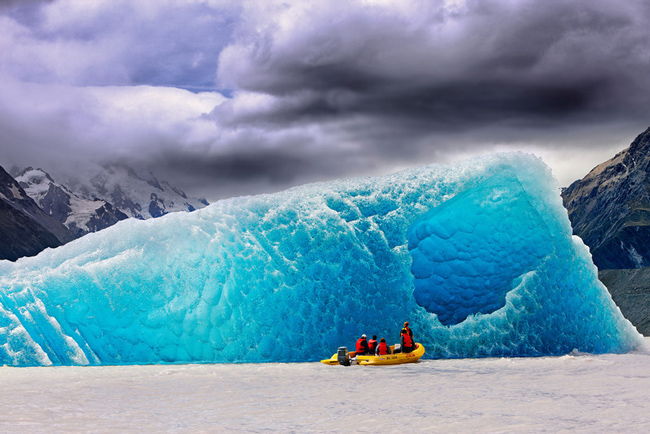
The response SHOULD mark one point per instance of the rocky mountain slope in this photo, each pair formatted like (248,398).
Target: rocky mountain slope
(25,229)
(630,290)
(80,215)
(610,208)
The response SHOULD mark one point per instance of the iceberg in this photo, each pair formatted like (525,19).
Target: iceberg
(478,256)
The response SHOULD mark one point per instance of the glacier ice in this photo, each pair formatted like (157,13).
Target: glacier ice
(478,256)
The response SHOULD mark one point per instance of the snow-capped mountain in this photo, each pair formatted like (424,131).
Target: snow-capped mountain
(25,229)
(37,212)
(80,215)
(610,208)
(139,195)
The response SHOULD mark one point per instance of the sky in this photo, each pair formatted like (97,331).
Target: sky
(226,98)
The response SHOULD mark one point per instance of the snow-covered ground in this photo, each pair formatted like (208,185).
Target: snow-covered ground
(577,393)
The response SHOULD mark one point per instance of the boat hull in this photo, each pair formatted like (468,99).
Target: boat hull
(388,359)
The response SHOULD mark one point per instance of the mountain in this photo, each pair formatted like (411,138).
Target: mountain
(630,290)
(80,215)
(610,208)
(37,212)
(25,229)
(139,195)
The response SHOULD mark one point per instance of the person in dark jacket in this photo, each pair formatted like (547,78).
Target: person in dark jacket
(382,347)
(372,344)
(362,346)
(407,343)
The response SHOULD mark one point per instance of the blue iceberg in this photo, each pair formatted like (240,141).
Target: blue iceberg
(478,257)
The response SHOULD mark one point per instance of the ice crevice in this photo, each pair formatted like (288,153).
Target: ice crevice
(478,256)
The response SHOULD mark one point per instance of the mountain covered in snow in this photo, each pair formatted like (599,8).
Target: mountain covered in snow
(25,229)
(38,210)
(80,215)
(610,208)
(136,194)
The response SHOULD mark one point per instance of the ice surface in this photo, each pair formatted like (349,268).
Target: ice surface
(479,257)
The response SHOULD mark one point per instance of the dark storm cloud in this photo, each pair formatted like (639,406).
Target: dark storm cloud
(243,172)
(475,62)
(380,84)
(276,167)
(317,90)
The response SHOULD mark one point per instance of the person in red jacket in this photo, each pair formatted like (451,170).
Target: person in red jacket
(372,344)
(382,348)
(406,339)
(362,346)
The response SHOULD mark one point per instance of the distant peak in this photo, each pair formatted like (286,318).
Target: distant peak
(23,171)
(29,173)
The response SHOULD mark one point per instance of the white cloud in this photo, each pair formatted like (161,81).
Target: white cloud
(102,122)
(117,42)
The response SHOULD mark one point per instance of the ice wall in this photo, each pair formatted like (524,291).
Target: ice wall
(479,258)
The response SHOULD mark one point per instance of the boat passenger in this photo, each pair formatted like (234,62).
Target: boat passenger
(372,344)
(362,346)
(406,339)
(382,348)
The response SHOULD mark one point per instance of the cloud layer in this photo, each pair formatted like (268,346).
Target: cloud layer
(315,90)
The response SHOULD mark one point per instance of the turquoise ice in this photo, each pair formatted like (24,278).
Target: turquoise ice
(478,256)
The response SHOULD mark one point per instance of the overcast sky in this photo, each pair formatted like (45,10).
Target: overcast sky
(226,98)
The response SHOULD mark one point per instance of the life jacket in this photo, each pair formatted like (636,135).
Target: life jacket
(372,344)
(361,348)
(408,340)
(383,349)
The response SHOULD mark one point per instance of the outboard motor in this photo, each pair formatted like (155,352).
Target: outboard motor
(343,356)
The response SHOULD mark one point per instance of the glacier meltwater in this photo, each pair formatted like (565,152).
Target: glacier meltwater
(478,257)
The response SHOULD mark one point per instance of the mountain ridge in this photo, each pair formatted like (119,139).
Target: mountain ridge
(139,195)
(80,215)
(37,211)
(25,229)
(610,208)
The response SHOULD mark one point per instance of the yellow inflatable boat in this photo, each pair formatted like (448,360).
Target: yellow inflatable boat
(343,357)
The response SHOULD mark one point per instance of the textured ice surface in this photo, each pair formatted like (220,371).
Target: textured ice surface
(471,251)
(479,258)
